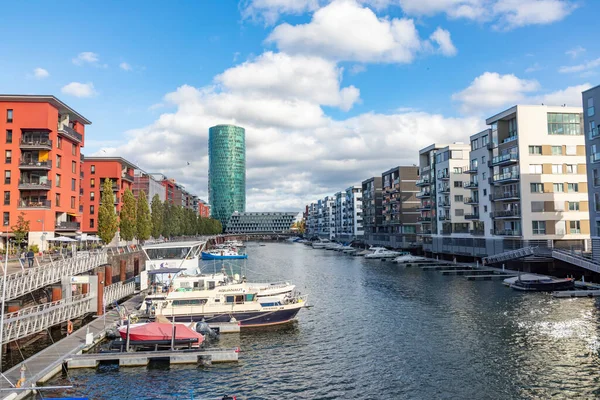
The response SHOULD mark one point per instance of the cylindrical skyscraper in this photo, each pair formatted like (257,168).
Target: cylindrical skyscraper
(226,171)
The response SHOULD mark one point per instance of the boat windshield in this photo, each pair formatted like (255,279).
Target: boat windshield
(169,253)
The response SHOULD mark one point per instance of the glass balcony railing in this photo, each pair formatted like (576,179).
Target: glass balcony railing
(508,176)
(504,159)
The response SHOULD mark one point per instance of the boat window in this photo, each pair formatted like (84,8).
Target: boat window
(191,302)
(228,299)
(273,304)
(239,299)
(168,253)
(249,297)
(217,300)
(211,284)
(199,285)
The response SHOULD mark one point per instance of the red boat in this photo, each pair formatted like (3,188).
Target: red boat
(153,331)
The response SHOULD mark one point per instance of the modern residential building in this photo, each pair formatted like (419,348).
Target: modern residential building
(591,98)
(41,141)
(261,222)
(352,219)
(95,171)
(226,171)
(150,186)
(325,218)
(372,196)
(203,209)
(338,210)
(533,159)
(312,220)
(400,206)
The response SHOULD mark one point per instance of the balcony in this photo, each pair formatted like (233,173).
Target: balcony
(470,169)
(471,185)
(70,133)
(67,226)
(35,144)
(477,232)
(506,214)
(423,182)
(422,195)
(425,207)
(115,187)
(34,185)
(424,219)
(471,200)
(506,177)
(505,196)
(506,232)
(425,232)
(35,165)
(81,157)
(34,203)
(504,159)
(445,204)
(445,175)
(127,177)
(472,216)
(444,218)
(510,139)
(492,145)
(445,189)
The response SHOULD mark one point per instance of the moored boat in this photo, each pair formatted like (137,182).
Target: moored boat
(222,254)
(157,331)
(321,244)
(406,257)
(546,284)
(381,252)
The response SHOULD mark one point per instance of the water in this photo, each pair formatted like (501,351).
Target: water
(378,330)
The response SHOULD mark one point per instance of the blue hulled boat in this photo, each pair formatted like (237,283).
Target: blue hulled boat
(222,254)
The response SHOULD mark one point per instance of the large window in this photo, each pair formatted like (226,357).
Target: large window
(573,206)
(8,156)
(5,219)
(9,115)
(557,168)
(535,168)
(539,227)
(512,127)
(564,124)
(537,188)
(574,227)
(535,150)
(9,136)
(557,150)
(571,169)
(558,187)
(57,180)
(590,107)
(7,177)
(7,198)
(573,187)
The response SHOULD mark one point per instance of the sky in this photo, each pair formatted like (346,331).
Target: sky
(330,92)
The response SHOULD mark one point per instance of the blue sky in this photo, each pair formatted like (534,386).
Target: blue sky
(367,77)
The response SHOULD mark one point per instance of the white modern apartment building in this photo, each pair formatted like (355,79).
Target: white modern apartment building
(326,217)
(352,219)
(528,183)
(591,99)
(339,206)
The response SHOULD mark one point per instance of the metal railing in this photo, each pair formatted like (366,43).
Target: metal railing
(70,132)
(569,257)
(510,255)
(35,143)
(504,158)
(26,322)
(31,279)
(35,185)
(34,164)
(505,177)
(505,195)
(67,225)
(117,291)
(27,203)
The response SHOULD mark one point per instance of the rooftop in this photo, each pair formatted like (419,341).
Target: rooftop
(118,159)
(62,107)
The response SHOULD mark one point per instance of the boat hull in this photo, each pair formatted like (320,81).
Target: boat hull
(208,256)
(246,319)
(544,286)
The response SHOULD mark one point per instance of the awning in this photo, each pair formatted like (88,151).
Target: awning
(71,234)
(73,215)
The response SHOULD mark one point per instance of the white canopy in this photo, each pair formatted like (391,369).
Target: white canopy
(62,239)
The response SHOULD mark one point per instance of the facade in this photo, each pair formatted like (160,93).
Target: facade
(95,170)
(400,206)
(325,218)
(372,207)
(203,209)
(41,140)
(312,220)
(226,171)
(338,209)
(147,183)
(261,222)
(528,171)
(591,98)
(352,219)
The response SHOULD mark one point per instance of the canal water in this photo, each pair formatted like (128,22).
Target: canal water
(378,330)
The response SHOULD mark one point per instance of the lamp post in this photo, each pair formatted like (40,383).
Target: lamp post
(43,232)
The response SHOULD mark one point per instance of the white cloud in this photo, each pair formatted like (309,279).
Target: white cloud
(86,57)
(78,89)
(575,51)
(293,77)
(270,10)
(534,68)
(442,38)
(587,66)
(40,73)
(343,30)
(517,13)
(357,69)
(570,96)
(125,66)
(491,91)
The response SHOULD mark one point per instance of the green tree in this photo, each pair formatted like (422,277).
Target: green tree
(202,226)
(167,224)
(21,229)
(176,220)
(107,217)
(157,216)
(143,223)
(127,217)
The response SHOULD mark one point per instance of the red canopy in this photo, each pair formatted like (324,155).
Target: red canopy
(159,331)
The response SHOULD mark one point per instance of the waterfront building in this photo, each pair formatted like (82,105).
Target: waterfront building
(147,183)
(203,209)
(352,219)
(261,222)
(528,171)
(311,220)
(95,170)
(591,98)
(325,218)
(400,206)
(42,141)
(372,207)
(226,171)
(338,207)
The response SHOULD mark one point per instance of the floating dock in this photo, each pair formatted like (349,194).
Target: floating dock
(576,293)
(440,267)
(466,271)
(489,277)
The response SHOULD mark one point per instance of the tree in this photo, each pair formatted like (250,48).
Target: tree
(202,228)
(21,229)
(157,216)
(143,224)
(107,217)
(127,218)
(167,224)
(176,220)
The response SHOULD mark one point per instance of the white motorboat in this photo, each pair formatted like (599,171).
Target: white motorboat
(406,257)
(524,277)
(321,244)
(382,252)
(333,246)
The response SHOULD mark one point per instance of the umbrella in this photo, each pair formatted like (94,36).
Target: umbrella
(62,239)
(92,238)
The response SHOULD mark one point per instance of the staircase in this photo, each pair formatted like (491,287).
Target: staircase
(510,255)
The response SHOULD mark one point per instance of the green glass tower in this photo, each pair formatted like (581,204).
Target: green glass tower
(226,171)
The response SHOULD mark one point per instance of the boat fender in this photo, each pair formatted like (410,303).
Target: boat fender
(69,328)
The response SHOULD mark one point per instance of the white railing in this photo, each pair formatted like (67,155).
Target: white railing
(117,291)
(579,261)
(509,255)
(25,322)
(31,279)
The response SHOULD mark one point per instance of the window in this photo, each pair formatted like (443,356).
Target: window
(474,144)
(572,187)
(564,124)
(597,202)
(483,159)
(5,219)
(459,212)
(573,206)
(483,175)
(91,222)
(92,210)
(58,161)
(73,184)
(9,115)
(557,150)
(92,183)
(457,170)
(539,227)
(537,206)
(92,169)
(484,140)
(596,177)
(73,167)
(590,107)
(73,149)
(458,184)
(574,227)
(57,199)
(7,177)
(458,198)
(535,168)
(485,208)
(8,156)
(92,195)
(7,198)
(72,201)
(57,180)
(512,127)
(571,169)
(59,142)
(571,150)
(456,154)
(537,188)
(558,187)
(535,150)
(557,169)
(9,136)
(485,192)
